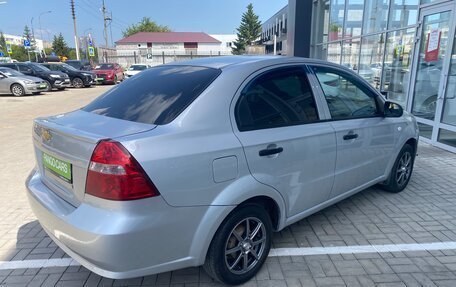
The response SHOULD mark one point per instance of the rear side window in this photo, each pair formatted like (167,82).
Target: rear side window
(155,96)
(282,97)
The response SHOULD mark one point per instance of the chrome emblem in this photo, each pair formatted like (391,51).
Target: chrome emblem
(46,134)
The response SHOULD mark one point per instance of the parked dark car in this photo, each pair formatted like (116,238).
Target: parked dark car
(109,73)
(53,79)
(78,78)
(82,65)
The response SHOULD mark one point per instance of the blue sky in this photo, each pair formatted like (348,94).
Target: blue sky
(210,16)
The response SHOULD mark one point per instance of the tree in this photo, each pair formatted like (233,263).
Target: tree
(59,45)
(27,34)
(19,53)
(145,25)
(248,32)
(2,43)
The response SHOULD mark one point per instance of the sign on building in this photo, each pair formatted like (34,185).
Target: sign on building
(433,46)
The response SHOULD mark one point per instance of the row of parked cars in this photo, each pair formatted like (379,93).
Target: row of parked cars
(28,78)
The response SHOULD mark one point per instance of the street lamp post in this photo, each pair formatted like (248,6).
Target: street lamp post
(41,31)
(33,37)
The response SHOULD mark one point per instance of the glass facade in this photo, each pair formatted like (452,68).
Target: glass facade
(372,37)
(404,48)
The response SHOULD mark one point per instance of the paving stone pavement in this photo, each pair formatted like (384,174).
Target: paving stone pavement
(425,212)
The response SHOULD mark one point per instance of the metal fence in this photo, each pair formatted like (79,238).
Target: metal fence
(154,58)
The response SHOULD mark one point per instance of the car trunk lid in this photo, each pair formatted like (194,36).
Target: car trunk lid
(64,145)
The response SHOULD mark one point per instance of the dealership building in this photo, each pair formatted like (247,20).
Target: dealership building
(404,48)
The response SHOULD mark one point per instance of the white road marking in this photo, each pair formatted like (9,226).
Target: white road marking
(278,252)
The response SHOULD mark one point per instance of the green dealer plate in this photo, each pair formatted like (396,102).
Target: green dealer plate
(59,167)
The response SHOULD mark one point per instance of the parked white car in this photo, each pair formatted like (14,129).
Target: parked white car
(135,69)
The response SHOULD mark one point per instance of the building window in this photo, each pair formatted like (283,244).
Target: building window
(370,64)
(403,13)
(396,69)
(354,20)
(350,53)
(376,16)
(191,45)
(337,15)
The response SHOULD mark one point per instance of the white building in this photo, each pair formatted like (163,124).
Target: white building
(19,40)
(226,41)
(179,43)
(155,48)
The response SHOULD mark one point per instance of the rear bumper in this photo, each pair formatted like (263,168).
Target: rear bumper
(123,239)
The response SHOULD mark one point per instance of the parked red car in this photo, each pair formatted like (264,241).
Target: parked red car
(109,73)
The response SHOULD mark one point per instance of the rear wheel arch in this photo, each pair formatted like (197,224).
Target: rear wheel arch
(213,219)
(269,204)
(413,142)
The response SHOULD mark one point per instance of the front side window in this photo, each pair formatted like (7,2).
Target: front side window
(282,97)
(346,97)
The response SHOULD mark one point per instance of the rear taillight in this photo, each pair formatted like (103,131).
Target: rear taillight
(116,175)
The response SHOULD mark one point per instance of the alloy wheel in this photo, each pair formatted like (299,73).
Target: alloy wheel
(78,83)
(245,245)
(404,168)
(17,90)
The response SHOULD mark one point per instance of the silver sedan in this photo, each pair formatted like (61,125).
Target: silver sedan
(18,84)
(197,163)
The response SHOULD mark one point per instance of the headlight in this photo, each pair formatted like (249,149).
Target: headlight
(54,76)
(87,74)
(28,82)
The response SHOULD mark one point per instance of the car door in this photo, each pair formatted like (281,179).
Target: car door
(26,70)
(365,138)
(287,146)
(4,86)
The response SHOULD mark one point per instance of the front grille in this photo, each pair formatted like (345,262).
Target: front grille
(101,75)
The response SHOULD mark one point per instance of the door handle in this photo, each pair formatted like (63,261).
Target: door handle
(350,136)
(270,151)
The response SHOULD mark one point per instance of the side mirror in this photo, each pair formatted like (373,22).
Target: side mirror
(384,93)
(392,110)
(2,77)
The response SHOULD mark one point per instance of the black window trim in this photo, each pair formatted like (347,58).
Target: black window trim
(365,87)
(269,69)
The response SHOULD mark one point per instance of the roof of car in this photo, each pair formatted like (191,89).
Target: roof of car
(225,61)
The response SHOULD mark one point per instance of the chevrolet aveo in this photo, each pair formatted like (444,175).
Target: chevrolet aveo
(197,163)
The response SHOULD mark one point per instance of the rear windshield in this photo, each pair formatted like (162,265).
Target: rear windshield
(155,96)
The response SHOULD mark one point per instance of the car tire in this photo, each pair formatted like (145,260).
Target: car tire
(402,170)
(36,93)
(77,83)
(247,251)
(17,90)
(49,86)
